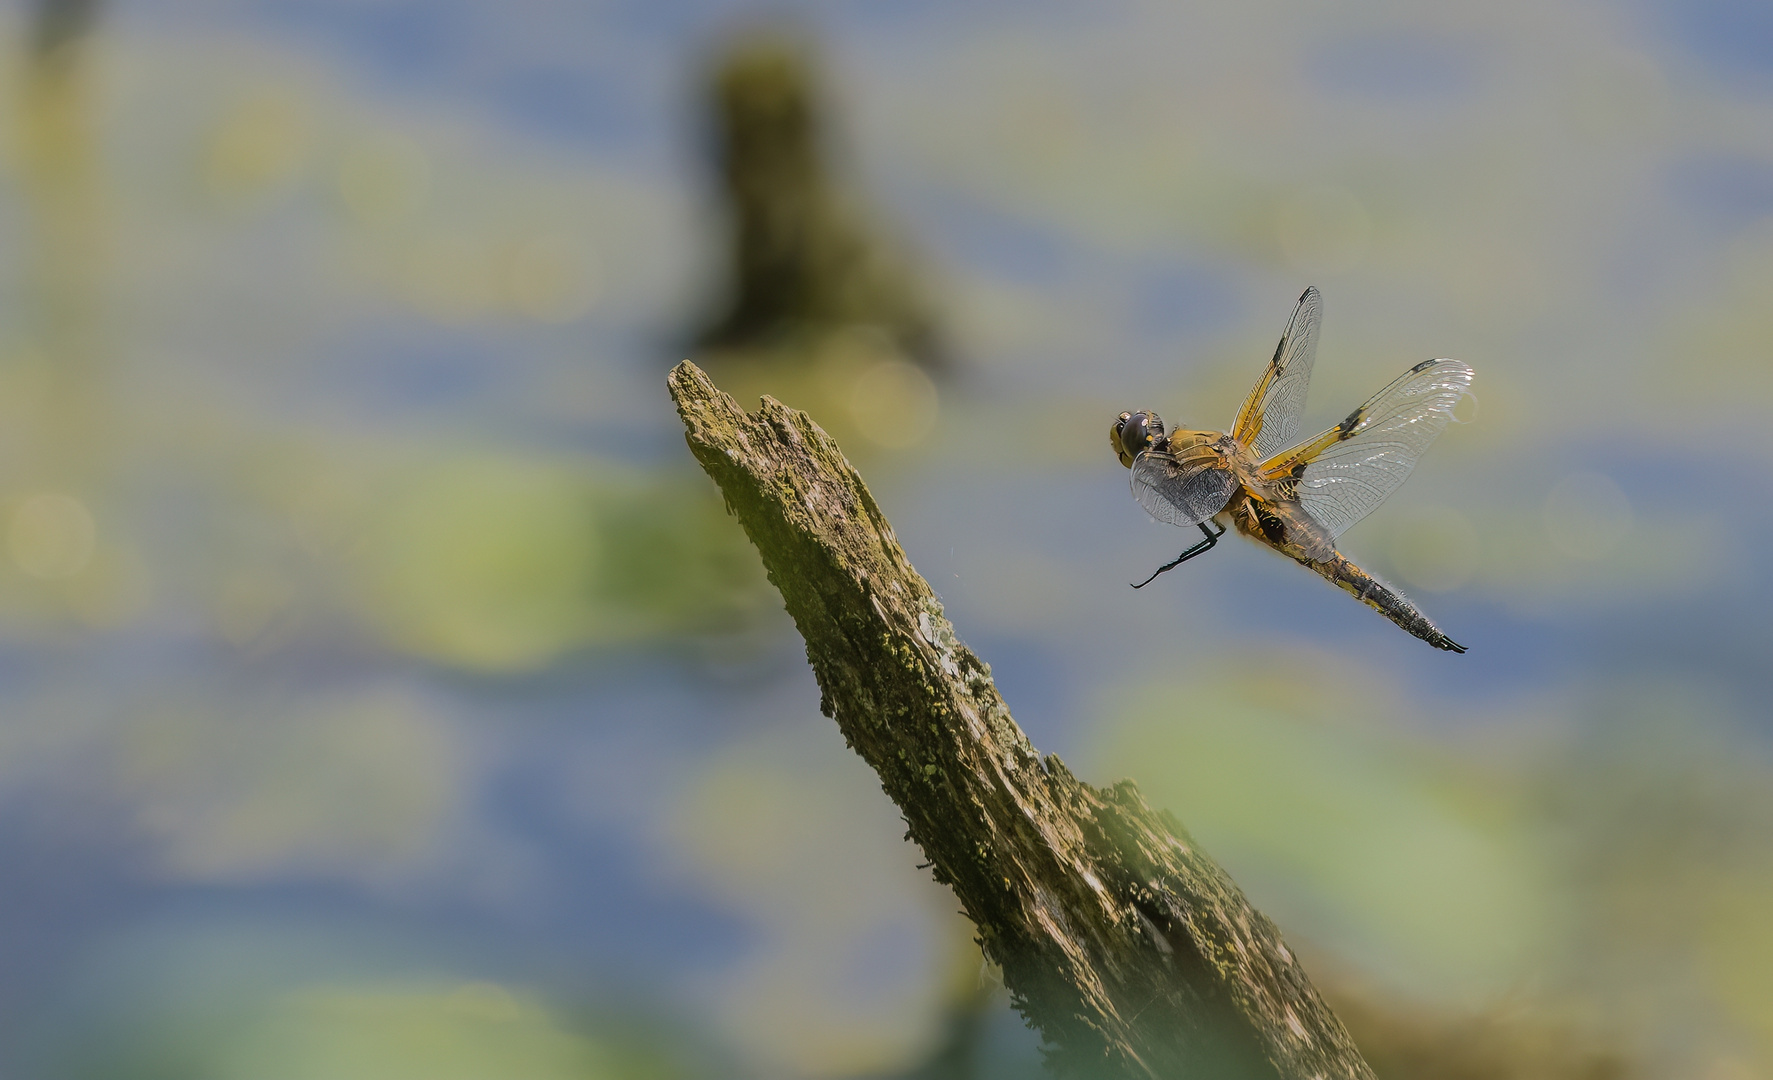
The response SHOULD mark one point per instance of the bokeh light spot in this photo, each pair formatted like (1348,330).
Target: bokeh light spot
(894,404)
(384,180)
(112,589)
(261,144)
(550,281)
(395,1032)
(789,832)
(1435,548)
(51,536)
(486,562)
(357,787)
(450,279)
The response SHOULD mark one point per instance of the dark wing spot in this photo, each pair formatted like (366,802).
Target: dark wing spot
(1424,365)
(1279,347)
(1347,426)
(1298,472)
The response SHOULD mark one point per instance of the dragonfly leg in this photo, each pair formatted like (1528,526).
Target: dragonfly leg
(1205,545)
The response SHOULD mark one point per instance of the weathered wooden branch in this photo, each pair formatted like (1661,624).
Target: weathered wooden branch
(1132,951)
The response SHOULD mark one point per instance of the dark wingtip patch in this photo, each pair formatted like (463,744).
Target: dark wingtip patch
(1424,366)
(1353,420)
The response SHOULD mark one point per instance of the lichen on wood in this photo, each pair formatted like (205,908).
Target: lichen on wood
(1130,950)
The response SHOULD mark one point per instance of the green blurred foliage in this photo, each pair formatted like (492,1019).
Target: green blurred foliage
(1620,888)
(1296,776)
(500,563)
(1404,1040)
(380,1031)
(794,832)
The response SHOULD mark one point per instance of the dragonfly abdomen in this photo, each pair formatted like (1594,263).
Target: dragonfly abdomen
(1382,598)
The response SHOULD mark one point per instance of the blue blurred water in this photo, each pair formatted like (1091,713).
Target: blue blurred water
(555,851)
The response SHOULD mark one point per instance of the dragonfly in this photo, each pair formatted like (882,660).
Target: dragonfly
(1296,498)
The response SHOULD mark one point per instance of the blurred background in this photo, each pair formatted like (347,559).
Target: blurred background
(384,692)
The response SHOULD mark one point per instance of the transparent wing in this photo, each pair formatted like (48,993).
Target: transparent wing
(1269,418)
(1181,492)
(1349,470)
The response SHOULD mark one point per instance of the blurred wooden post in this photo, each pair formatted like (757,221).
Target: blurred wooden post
(59,174)
(1130,950)
(59,24)
(804,263)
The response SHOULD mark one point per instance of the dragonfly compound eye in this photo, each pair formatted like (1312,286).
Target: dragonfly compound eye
(1138,431)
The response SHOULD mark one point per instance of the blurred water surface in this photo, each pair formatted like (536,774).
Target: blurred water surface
(385,693)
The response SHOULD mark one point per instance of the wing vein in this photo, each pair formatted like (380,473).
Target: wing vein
(1345,476)
(1269,417)
(1181,492)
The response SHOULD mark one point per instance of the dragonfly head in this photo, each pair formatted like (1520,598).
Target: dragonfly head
(1133,432)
